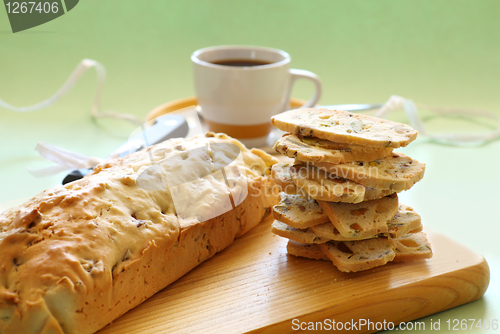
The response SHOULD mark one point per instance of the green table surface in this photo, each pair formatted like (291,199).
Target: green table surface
(444,53)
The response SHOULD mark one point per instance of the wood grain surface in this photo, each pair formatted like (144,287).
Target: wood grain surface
(255,286)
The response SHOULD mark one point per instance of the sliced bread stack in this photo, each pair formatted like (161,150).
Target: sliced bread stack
(339,197)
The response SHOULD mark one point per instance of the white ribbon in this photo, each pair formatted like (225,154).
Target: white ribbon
(410,108)
(68,160)
(65,160)
(84,65)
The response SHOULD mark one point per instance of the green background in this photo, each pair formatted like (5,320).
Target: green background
(444,53)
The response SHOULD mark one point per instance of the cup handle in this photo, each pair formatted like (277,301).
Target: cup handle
(303,74)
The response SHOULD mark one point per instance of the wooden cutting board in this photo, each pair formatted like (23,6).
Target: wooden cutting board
(253,285)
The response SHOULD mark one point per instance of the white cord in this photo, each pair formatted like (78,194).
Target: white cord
(82,67)
(64,159)
(410,108)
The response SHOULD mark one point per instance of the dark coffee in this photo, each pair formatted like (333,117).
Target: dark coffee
(241,62)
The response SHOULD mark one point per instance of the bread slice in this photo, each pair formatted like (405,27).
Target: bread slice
(344,127)
(352,256)
(330,232)
(314,234)
(324,186)
(315,150)
(298,211)
(280,173)
(412,246)
(304,236)
(396,172)
(310,251)
(405,221)
(361,220)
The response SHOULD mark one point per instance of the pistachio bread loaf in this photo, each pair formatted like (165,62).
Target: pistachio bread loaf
(76,257)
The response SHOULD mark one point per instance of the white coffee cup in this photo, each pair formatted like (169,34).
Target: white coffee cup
(240,100)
